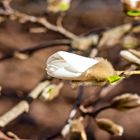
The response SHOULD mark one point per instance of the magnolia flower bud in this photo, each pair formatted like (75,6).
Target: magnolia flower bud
(51,92)
(58,5)
(126,101)
(68,66)
(131,7)
(77,130)
(130,42)
(130,57)
(110,126)
(84,43)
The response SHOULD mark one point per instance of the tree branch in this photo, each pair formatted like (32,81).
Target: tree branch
(22,17)
(33,49)
(22,106)
(64,130)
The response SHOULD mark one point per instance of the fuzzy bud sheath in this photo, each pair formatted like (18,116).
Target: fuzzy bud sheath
(68,66)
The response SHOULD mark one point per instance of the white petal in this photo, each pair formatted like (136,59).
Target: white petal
(66,65)
(62,73)
(77,62)
(130,57)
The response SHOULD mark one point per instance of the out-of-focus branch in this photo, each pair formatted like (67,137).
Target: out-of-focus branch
(13,136)
(76,105)
(94,113)
(9,136)
(44,91)
(55,28)
(22,17)
(22,106)
(102,40)
(131,55)
(128,73)
(33,49)
(122,102)
(66,128)
(114,36)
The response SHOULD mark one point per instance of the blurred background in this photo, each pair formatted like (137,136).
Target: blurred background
(18,77)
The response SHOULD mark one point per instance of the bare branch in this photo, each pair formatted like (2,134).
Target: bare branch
(22,17)
(22,106)
(65,129)
(41,46)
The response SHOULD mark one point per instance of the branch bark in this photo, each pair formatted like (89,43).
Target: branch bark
(22,106)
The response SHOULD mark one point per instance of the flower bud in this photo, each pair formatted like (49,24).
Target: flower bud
(131,7)
(77,130)
(20,56)
(130,57)
(130,42)
(126,101)
(110,126)
(51,92)
(68,66)
(58,5)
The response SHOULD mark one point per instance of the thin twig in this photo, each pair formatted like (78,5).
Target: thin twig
(113,36)
(128,73)
(95,112)
(55,28)
(22,17)
(13,136)
(22,106)
(106,38)
(41,46)
(70,116)
(60,19)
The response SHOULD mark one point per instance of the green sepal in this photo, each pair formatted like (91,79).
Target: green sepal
(50,90)
(113,79)
(64,6)
(133,13)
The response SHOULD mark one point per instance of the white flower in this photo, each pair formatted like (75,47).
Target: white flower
(68,66)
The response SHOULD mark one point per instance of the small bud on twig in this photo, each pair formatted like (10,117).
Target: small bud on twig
(20,56)
(130,57)
(126,101)
(131,7)
(77,129)
(129,42)
(37,30)
(84,43)
(58,5)
(51,92)
(110,126)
